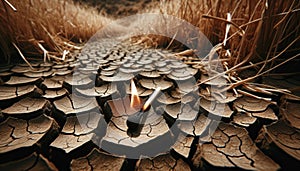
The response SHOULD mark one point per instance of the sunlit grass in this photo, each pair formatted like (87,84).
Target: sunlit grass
(259,35)
(46,27)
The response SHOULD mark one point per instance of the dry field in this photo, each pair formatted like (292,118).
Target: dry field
(66,101)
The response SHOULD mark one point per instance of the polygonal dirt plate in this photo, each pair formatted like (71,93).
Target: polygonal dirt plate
(232,147)
(10,92)
(97,160)
(291,111)
(102,91)
(26,106)
(285,137)
(73,104)
(18,80)
(162,162)
(18,133)
(218,109)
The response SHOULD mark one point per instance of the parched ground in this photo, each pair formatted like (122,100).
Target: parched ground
(58,115)
(55,117)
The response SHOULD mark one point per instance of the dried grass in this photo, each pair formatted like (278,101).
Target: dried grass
(263,35)
(45,27)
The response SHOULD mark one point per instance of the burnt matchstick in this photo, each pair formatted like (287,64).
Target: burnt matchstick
(136,121)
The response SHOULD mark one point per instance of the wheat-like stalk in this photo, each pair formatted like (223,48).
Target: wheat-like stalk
(262,33)
(36,26)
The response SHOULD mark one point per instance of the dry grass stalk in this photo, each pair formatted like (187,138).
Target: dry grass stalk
(9,4)
(22,56)
(40,26)
(263,37)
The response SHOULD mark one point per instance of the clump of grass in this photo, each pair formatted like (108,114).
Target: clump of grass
(45,27)
(260,35)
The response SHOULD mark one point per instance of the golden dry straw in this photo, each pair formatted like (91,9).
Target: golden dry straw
(41,26)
